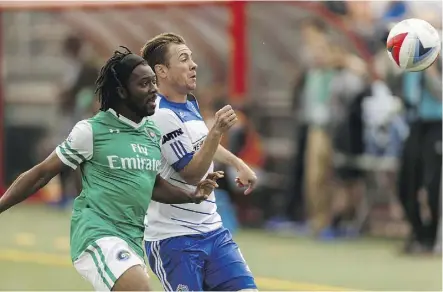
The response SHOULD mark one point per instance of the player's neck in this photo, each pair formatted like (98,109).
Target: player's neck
(127,113)
(172,95)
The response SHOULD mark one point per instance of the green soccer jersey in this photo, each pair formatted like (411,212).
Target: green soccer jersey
(119,162)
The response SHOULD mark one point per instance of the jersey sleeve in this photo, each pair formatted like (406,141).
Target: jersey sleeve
(176,145)
(78,147)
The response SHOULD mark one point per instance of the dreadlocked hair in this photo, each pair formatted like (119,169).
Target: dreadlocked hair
(108,82)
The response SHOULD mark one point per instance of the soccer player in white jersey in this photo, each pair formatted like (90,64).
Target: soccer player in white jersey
(187,246)
(118,152)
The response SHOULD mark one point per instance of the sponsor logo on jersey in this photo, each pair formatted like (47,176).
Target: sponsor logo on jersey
(182,287)
(140,161)
(123,255)
(114,131)
(198,145)
(172,135)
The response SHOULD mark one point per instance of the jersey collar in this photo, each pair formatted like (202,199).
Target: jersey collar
(182,105)
(126,120)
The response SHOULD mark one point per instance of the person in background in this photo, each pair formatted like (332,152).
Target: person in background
(347,89)
(77,100)
(420,170)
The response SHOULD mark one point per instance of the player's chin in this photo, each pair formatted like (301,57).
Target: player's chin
(191,86)
(150,112)
(150,109)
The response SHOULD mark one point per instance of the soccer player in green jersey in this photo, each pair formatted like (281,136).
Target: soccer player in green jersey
(118,153)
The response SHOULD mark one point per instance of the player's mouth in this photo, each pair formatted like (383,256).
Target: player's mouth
(194,76)
(151,100)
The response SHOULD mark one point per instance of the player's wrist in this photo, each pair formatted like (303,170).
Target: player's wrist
(240,165)
(216,133)
(191,197)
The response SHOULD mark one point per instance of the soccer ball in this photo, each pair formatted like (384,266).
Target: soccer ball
(413,44)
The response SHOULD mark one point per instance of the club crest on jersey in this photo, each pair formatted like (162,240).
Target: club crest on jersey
(123,255)
(150,133)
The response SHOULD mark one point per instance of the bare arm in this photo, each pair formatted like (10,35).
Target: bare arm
(246,176)
(224,156)
(166,193)
(202,159)
(193,172)
(31,181)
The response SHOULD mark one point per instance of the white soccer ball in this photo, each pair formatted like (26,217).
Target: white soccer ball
(413,44)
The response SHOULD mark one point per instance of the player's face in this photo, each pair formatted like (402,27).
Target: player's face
(182,70)
(142,86)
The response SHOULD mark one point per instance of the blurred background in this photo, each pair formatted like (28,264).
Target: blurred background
(347,148)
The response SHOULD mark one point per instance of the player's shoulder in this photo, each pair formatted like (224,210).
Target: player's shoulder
(151,125)
(168,107)
(99,118)
(83,126)
(165,111)
(81,134)
(168,111)
(105,122)
(151,128)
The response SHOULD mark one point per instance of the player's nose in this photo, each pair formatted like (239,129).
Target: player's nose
(194,66)
(153,89)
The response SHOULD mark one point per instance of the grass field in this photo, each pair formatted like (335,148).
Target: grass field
(34,248)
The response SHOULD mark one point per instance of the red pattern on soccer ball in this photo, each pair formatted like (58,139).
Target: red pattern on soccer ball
(394,46)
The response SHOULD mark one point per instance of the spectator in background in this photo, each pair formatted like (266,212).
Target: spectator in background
(244,141)
(313,32)
(77,99)
(420,173)
(395,11)
(348,88)
(312,95)
(77,87)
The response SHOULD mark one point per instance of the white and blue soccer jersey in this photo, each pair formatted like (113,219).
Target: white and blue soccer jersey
(183,132)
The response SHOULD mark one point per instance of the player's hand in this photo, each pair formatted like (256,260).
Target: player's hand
(246,178)
(224,119)
(206,187)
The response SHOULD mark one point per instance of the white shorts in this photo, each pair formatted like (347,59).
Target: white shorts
(104,261)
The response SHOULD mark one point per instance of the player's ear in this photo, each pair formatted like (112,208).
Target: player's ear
(122,93)
(160,70)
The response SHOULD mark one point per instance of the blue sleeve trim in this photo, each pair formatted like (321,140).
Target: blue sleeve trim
(182,162)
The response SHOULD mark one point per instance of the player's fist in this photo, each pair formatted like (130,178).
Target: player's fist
(225,119)
(206,187)
(246,178)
